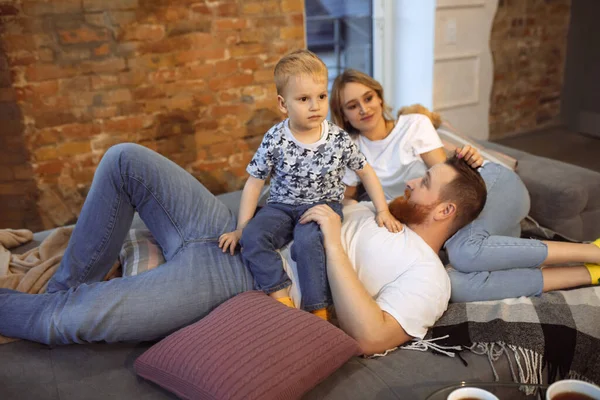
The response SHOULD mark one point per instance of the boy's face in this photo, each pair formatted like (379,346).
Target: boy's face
(305,102)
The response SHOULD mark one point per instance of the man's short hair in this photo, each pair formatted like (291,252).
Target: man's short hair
(467,190)
(296,63)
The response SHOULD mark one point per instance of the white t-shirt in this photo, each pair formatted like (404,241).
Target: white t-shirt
(396,159)
(402,273)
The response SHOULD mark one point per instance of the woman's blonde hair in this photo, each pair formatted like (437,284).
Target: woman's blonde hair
(336,106)
(296,63)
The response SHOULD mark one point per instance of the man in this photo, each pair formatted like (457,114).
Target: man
(380,305)
(388,288)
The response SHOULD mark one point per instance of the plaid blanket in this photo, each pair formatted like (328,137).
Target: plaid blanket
(558,331)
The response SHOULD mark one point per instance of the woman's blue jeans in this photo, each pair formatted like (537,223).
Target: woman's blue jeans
(186,220)
(489,259)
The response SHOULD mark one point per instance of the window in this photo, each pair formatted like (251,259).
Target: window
(341,33)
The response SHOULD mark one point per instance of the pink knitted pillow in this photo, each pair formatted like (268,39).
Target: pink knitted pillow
(250,347)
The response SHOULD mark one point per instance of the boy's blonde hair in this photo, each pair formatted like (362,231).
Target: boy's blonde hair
(298,62)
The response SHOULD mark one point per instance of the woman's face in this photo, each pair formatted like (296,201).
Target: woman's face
(361,106)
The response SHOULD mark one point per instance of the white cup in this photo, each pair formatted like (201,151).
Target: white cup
(572,385)
(471,392)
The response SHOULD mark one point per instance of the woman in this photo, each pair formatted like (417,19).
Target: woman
(489,259)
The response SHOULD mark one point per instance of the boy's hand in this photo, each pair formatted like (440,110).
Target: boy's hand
(385,218)
(230,240)
(471,156)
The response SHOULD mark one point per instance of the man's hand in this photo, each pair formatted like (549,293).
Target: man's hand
(329,222)
(230,240)
(470,155)
(385,218)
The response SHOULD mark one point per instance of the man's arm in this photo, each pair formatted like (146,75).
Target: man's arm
(359,315)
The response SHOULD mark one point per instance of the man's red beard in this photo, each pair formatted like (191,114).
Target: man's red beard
(409,212)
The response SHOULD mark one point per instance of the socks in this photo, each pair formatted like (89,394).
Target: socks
(286,301)
(594,269)
(321,313)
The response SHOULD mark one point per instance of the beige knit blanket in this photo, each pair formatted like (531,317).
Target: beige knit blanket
(31,271)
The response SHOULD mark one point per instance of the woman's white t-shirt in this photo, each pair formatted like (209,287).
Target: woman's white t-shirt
(396,159)
(399,270)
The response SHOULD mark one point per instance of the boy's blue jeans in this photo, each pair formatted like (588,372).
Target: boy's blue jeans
(273,227)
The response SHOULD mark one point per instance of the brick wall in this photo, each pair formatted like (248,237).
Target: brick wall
(18,189)
(528,43)
(190,79)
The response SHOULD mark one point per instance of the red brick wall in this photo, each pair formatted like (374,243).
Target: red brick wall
(18,189)
(191,79)
(528,43)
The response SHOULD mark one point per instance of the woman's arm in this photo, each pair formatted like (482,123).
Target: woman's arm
(359,315)
(433,157)
(436,156)
(248,204)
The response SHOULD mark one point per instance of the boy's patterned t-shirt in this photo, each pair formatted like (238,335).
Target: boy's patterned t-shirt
(305,173)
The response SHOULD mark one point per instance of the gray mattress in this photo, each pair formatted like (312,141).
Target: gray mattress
(105,371)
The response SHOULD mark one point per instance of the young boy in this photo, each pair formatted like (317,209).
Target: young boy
(306,157)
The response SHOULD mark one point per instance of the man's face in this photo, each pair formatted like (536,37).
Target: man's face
(422,196)
(305,102)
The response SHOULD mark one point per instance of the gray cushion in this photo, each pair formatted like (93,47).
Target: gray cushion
(564,197)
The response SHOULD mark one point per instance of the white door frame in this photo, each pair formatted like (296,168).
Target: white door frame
(403,50)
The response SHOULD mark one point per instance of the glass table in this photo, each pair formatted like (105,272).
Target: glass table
(502,390)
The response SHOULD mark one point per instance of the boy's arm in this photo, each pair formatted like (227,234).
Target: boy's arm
(248,203)
(373,187)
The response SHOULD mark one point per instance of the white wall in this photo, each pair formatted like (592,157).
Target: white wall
(403,50)
(463,67)
(437,54)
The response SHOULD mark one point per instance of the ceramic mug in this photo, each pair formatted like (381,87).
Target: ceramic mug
(471,393)
(572,386)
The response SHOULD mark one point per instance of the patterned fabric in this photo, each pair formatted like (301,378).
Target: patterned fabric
(140,252)
(558,331)
(305,173)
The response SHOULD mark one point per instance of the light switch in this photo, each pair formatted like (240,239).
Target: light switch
(451,31)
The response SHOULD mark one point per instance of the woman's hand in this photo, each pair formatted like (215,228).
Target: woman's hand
(385,218)
(329,222)
(230,240)
(470,155)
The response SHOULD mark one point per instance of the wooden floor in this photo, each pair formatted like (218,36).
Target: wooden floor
(560,144)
